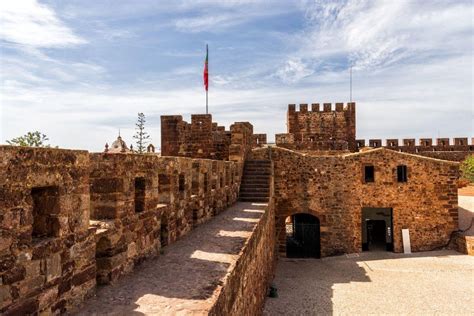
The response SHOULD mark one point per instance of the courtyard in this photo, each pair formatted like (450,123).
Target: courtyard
(426,283)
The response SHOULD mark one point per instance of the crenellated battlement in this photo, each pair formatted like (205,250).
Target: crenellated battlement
(442,143)
(324,126)
(454,149)
(73,219)
(203,138)
(323,107)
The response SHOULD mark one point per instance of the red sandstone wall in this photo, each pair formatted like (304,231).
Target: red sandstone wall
(320,130)
(47,251)
(177,197)
(69,218)
(332,189)
(443,149)
(427,204)
(246,287)
(204,139)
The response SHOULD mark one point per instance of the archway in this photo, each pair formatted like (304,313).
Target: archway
(302,236)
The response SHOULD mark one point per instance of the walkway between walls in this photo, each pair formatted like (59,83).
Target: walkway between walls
(189,277)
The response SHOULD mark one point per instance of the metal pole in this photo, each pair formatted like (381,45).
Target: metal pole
(351,85)
(207,55)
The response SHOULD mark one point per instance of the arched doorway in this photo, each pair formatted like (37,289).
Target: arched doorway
(302,236)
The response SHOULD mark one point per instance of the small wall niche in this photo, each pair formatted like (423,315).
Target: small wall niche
(140,187)
(45,207)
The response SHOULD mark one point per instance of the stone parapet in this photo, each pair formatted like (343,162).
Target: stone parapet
(47,249)
(203,138)
(320,128)
(71,219)
(443,148)
(153,201)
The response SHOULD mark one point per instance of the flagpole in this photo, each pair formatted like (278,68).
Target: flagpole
(351,84)
(207,55)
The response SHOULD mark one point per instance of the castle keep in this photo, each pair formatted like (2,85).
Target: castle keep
(214,211)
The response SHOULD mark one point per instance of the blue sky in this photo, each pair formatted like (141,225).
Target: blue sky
(80,70)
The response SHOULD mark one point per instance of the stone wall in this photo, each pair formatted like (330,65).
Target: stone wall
(447,155)
(241,141)
(332,188)
(70,219)
(259,140)
(464,244)
(444,149)
(329,129)
(47,249)
(144,202)
(246,286)
(203,138)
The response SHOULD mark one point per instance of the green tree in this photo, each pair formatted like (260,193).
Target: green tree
(141,136)
(31,139)
(467,168)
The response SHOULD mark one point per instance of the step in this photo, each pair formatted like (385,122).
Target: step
(260,171)
(256,178)
(266,175)
(252,191)
(258,161)
(245,199)
(250,175)
(257,168)
(256,175)
(253,195)
(255,184)
(255,188)
(256,181)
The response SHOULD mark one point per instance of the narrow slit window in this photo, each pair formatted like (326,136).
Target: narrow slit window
(182,183)
(369,174)
(139,194)
(402,175)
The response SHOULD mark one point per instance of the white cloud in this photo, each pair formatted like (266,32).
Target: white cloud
(412,74)
(205,23)
(294,70)
(29,23)
(216,16)
(375,34)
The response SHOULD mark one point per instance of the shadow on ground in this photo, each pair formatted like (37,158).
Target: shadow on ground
(373,282)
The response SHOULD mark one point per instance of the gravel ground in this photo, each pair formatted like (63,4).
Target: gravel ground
(375,283)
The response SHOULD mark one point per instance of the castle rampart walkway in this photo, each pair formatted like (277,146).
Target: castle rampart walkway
(188,277)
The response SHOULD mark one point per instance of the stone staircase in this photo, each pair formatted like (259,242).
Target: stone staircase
(255,186)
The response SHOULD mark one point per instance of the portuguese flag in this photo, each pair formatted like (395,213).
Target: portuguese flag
(206,70)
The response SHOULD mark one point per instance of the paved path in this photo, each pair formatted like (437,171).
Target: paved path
(428,283)
(187,278)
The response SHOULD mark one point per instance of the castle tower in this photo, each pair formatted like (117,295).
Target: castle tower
(320,128)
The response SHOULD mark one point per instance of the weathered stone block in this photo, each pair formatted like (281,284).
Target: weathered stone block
(53,267)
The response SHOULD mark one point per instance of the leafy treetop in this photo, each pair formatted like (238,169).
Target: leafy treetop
(31,139)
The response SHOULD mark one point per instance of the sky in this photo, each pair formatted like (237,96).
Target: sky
(80,70)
